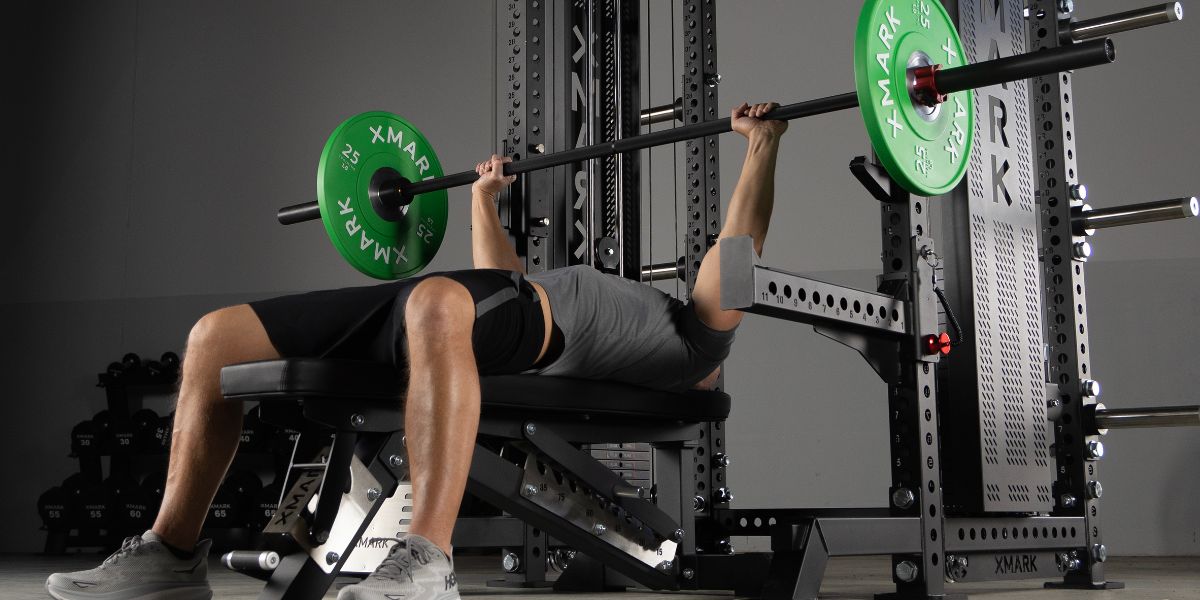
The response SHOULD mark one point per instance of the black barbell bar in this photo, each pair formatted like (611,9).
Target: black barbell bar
(938,82)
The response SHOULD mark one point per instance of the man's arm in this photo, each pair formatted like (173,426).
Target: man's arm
(749,210)
(490,248)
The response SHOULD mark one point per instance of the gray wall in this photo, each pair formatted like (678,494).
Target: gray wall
(156,140)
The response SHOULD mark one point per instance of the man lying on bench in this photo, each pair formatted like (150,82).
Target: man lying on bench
(447,329)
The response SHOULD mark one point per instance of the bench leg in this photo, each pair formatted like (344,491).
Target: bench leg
(297,578)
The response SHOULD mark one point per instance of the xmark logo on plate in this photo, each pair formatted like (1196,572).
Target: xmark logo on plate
(382,253)
(887,33)
(397,137)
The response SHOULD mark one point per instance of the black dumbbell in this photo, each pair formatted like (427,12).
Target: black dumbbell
(145,429)
(103,422)
(256,435)
(154,369)
(97,504)
(170,362)
(266,502)
(136,506)
(163,431)
(131,361)
(155,483)
(121,436)
(223,511)
(283,442)
(83,439)
(115,370)
(245,487)
(72,488)
(53,506)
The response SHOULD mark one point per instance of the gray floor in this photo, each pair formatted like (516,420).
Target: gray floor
(21,577)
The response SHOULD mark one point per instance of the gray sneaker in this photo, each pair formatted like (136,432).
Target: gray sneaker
(143,569)
(415,569)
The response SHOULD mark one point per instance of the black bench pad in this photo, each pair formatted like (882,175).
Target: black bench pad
(324,378)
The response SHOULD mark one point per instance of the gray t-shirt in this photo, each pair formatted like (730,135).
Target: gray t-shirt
(619,330)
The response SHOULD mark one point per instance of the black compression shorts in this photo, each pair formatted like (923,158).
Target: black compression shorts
(368,323)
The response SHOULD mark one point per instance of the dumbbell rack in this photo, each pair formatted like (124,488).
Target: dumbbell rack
(86,515)
(94,510)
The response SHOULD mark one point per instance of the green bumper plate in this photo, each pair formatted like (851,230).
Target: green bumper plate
(924,151)
(381,243)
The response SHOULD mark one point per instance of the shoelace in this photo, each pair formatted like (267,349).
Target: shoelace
(399,561)
(131,546)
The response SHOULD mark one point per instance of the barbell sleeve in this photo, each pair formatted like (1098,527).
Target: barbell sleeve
(946,81)
(299,213)
(1084,220)
(1159,14)
(1025,66)
(663,271)
(662,114)
(1164,416)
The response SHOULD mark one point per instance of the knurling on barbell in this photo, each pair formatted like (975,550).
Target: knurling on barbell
(381,191)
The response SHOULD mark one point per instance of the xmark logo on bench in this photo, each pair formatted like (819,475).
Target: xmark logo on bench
(296,499)
(1016,563)
(375,542)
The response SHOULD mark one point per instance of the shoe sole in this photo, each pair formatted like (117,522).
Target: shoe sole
(143,592)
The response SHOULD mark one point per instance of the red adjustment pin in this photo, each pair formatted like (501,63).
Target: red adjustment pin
(937,344)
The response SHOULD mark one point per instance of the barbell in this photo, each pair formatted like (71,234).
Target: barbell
(382,195)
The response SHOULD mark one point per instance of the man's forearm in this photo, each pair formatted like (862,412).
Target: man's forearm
(490,247)
(754,196)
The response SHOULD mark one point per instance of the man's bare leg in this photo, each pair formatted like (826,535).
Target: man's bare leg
(207,427)
(441,416)
(749,209)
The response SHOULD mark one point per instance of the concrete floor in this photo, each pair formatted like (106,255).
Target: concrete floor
(1146,578)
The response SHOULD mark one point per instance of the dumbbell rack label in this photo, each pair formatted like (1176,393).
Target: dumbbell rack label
(381,242)
(924,150)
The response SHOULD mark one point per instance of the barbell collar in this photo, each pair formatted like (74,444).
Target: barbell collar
(946,81)
(1159,14)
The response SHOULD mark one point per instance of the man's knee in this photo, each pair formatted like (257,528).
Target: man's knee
(210,329)
(234,331)
(439,305)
